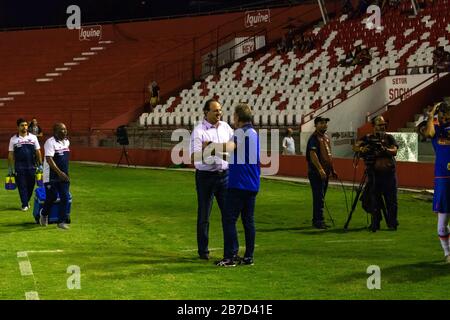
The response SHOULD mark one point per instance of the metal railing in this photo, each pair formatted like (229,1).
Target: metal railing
(346,94)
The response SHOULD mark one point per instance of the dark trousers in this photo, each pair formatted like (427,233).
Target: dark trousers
(319,189)
(52,190)
(386,192)
(208,185)
(239,202)
(25,180)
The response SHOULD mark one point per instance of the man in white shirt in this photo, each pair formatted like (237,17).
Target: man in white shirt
(24,154)
(211,175)
(288,143)
(56,175)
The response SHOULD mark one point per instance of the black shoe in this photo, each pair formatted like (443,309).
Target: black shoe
(246,261)
(226,263)
(204,256)
(321,226)
(236,259)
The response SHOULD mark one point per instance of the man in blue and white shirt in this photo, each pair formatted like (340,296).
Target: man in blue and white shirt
(24,154)
(56,175)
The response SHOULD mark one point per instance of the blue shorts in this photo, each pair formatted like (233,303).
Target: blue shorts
(441,198)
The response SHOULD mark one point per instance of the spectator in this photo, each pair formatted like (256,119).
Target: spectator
(348,60)
(441,60)
(281,47)
(288,143)
(347,8)
(363,57)
(210,63)
(56,175)
(24,154)
(154,95)
(35,129)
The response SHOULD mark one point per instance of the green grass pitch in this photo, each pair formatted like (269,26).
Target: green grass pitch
(133,235)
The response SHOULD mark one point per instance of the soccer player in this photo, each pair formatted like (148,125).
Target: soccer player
(56,175)
(243,186)
(24,154)
(441,144)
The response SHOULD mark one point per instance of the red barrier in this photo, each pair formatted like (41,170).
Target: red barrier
(292,166)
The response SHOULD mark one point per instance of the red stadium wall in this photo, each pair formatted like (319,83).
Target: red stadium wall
(108,89)
(292,166)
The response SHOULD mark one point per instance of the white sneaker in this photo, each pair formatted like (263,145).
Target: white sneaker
(63,226)
(43,220)
(25,208)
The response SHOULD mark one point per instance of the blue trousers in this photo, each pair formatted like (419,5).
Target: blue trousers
(208,185)
(319,189)
(25,180)
(239,202)
(52,190)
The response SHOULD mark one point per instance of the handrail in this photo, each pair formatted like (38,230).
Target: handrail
(385,106)
(172,49)
(330,104)
(253,34)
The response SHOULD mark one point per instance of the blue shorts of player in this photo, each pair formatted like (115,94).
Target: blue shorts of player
(441,198)
(52,190)
(239,202)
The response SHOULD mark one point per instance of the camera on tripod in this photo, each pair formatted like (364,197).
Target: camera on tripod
(373,147)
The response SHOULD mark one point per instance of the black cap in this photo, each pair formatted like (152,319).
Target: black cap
(319,119)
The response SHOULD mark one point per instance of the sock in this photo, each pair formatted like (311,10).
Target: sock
(443,232)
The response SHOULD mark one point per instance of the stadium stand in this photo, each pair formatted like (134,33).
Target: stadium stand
(285,88)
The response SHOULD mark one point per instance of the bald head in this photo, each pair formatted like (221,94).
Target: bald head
(60,131)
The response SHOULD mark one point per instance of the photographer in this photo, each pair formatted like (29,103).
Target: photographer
(439,133)
(378,151)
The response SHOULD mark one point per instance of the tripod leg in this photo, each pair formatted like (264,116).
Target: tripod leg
(120,159)
(126,157)
(355,202)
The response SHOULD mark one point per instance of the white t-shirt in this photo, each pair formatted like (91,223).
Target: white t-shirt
(289,144)
(207,132)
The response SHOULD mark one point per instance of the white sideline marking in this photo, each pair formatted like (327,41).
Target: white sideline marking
(16,93)
(80,58)
(7,99)
(25,268)
(53,74)
(44,251)
(31,295)
(97,48)
(374,240)
(22,254)
(62,69)
(43,79)
(88,53)
(71,63)
(105,41)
